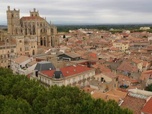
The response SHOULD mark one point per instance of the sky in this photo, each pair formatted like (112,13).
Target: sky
(83,11)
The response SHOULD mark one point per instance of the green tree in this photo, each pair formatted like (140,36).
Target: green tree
(19,95)
(149,87)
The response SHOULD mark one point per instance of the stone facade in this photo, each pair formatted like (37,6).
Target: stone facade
(31,26)
(25,35)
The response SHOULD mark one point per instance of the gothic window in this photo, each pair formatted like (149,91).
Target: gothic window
(33,29)
(52,31)
(41,40)
(33,52)
(44,41)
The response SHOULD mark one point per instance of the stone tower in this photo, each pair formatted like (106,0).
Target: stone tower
(34,13)
(13,21)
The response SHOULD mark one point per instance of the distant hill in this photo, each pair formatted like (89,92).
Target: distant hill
(66,28)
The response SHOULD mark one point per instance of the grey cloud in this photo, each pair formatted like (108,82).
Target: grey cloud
(85,11)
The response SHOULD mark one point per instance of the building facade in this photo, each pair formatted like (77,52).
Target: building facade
(75,75)
(31,26)
(24,35)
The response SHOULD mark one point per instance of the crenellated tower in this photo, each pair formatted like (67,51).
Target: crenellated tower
(13,21)
(34,13)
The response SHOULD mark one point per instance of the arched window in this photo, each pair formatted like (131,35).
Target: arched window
(51,30)
(44,41)
(41,41)
(33,52)
(34,30)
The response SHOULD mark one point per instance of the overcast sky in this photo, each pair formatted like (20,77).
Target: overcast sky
(83,11)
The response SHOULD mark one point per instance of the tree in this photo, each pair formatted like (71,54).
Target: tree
(149,87)
(19,95)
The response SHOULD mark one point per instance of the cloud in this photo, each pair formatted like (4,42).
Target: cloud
(84,11)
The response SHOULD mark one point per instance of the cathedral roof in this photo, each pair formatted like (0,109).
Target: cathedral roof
(32,18)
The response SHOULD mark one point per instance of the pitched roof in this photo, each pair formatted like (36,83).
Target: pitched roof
(71,54)
(111,95)
(148,107)
(44,65)
(146,74)
(32,18)
(133,103)
(21,59)
(126,66)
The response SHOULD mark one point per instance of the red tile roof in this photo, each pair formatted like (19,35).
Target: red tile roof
(148,107)
(133,103)
(126,66)
(68,71)
(146,75)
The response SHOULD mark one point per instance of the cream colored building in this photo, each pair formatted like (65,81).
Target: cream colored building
(7,49)
(23,65)
(75,75)
(122,46)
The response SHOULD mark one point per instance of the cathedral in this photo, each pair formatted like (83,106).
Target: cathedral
(25,35)
(32,25)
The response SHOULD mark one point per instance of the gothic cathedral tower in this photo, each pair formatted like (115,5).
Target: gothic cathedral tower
(13,21)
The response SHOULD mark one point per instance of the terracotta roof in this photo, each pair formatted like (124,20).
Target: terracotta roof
(146,74)
(147,109)
(135,60)
(126,78)
(32,18)
(117,95)
(134,104)
(21,59)
(68,71)
(110,74)
(126,66)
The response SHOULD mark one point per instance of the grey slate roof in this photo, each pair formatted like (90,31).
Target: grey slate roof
(44,65)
